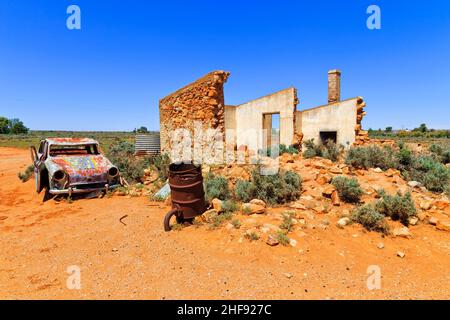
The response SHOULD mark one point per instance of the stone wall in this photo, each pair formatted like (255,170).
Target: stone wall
(339,117)
(199,102)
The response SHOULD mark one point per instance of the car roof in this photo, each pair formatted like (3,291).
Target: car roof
(71,141)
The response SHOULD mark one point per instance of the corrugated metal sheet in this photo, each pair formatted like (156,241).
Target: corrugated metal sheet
(148,144)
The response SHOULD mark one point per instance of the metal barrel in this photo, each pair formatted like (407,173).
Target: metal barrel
(147,144)
(186,186)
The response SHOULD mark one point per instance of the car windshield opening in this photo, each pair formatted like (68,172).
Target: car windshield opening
(85,149)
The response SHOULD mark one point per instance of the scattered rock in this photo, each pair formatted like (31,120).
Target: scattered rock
(297,205)
(323,179)
(443,225)
(433,221)
(377,170)
(414,184)
(293,242)
(413,221)
(425,205)
(252,208)
(115,249)
(328,191)
(217,204)
(380,245)
(441,204)
(258,202)
(288,275)
(336,170)
(272,240)
(335,198)
(402,232)
(401,254)
(210,214)
(343,222)
(229,226)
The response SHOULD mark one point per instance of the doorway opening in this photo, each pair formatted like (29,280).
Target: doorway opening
(328,135)
(271,129)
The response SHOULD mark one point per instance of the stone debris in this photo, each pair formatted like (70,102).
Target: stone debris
(433,221)
(402,232)
(272,240)
(251,208)
(343,222)
(401,254)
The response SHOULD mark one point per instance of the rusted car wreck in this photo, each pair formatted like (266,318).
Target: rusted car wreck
(72,166)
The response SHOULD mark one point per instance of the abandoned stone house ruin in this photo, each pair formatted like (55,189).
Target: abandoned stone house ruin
(202,103)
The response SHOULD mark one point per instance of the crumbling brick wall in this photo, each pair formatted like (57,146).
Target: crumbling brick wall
(202,100)
(361,136)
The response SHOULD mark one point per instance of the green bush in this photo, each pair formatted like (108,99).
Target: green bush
(252,236)
(370,218)
(431,173)
(329,150)
(397,207)
(131,168)
(162,163)
(372,157)
(288,222)
(281,149)
(349,190)
(229,206)
(243,190)
(219,219)
(216,187)
(279,188)
(282,238)
(440,153)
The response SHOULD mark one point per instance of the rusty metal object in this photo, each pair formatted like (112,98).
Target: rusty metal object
(187,194)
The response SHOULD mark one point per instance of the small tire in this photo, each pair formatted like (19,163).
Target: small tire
(169,215)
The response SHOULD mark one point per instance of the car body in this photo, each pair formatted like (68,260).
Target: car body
(72,165)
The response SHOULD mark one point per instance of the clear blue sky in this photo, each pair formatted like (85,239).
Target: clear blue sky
(110,74)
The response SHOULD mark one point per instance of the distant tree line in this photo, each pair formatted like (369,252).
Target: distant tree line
(421,131)
(12,126)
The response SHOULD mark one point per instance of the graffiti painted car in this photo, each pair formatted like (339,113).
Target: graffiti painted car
(71,166)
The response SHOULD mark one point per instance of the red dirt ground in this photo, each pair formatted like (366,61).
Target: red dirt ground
(39,241)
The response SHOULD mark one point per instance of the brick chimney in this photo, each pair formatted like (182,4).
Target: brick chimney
(334,86)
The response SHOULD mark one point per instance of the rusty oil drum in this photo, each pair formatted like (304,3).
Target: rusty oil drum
(188,196)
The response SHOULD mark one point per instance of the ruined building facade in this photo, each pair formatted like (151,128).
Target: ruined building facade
(201,105)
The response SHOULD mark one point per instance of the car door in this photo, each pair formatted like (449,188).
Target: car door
(38,158)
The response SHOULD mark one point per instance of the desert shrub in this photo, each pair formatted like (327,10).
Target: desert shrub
(26,175)
(236,223)
(431,173)
(372,157)
(440,153)
(312,150)
(397,207)
(282,238)
(288,222)
(348,189)
(216,187)
(282,148)
(252,236)
(219,219)
(131,168)
(370,218)
(229,206)
(283,187)
(288,149)
(329,150)
(243,190)
(162,163)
